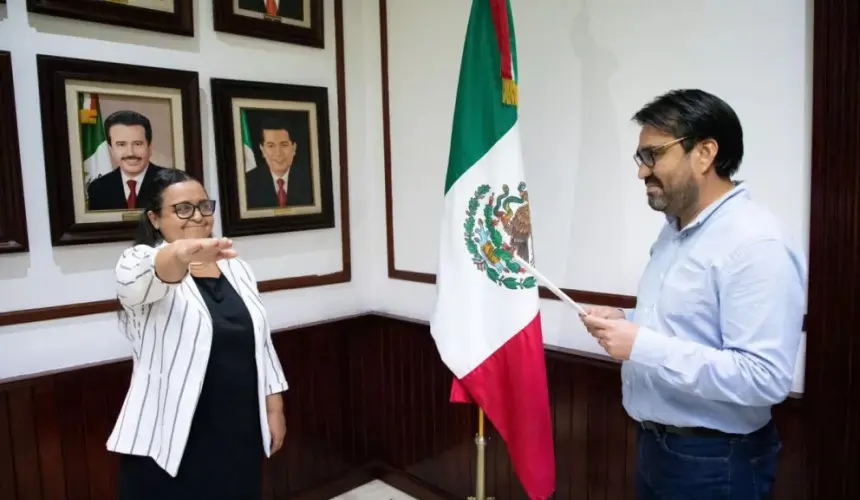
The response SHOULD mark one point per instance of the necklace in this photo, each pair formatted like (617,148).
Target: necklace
(196,266)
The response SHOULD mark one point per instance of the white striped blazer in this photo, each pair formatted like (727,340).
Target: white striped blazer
(170,331)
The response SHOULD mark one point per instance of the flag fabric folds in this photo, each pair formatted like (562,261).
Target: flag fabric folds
(94,147)
(247,144)
(486,322)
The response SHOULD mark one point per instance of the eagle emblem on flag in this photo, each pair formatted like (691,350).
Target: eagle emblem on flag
(497,229)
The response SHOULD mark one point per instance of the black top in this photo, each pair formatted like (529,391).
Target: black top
(224,454)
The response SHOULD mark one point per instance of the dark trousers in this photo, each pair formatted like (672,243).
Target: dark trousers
(706,467)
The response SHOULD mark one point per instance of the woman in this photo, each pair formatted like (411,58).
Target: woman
(204,402)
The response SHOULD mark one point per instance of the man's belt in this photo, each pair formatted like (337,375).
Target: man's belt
(684,431)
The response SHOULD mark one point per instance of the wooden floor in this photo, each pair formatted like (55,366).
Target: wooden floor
(365,389)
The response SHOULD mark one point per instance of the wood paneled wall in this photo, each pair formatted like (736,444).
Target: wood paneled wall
(406,390)
(363,389)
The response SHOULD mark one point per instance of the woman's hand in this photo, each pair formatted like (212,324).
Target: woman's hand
(171,263)
(277,422)
(203,250)
(277,427)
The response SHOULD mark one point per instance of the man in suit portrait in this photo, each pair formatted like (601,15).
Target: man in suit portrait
(293,9)
(278,183)
(128,186)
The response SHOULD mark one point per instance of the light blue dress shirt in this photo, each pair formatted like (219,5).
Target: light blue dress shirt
(720,309)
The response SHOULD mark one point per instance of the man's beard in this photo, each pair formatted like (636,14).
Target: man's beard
(674,202)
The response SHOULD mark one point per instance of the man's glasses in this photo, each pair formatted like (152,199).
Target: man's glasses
(185,210)
(647,157)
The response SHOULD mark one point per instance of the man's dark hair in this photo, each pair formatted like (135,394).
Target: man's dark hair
(273,124)
(697,116)
(129,119)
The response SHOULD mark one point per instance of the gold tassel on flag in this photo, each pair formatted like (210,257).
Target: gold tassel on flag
(87,116)
(510,94)
(499,10)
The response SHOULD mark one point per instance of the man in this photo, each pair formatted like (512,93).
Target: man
(127,187)
(279,184)
(293,9)
(713,341)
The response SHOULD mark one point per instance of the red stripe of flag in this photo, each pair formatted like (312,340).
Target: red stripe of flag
(511,388)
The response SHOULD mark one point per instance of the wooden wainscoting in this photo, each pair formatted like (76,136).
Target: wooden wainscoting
(53,428)
(406,386)
(364,390)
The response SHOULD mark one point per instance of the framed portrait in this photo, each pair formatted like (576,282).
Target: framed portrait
(13,220)
(165,16)
(274,157)
(292,21)
(108,129)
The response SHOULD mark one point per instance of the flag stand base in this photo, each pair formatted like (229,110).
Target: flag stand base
(480,467)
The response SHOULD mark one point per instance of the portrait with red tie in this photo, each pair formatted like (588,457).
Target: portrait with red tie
(108,130)
(278,175)
(289,10)
(165,16)
(129,143)
(274,162)
(292,21)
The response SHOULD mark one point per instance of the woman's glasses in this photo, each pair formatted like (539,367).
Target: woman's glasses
(185,210)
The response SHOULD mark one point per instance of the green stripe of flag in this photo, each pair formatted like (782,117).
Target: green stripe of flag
(92,134)
(480,116)
(247,146)
(246,133)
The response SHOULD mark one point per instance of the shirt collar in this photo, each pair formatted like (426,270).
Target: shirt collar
(285,177)
(740,190)
(126,177)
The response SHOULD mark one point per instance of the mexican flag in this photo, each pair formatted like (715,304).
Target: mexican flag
(486,322)
(247,145)
(94,147)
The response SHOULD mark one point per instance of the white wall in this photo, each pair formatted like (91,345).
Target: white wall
(585,68)
(54,276)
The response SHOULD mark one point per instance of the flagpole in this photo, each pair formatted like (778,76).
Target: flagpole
(480,468)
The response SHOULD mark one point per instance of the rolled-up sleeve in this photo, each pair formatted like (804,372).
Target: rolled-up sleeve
(136,280)
(762,304)
(276,381)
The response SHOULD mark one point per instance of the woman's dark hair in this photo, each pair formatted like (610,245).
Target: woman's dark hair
(146,232)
